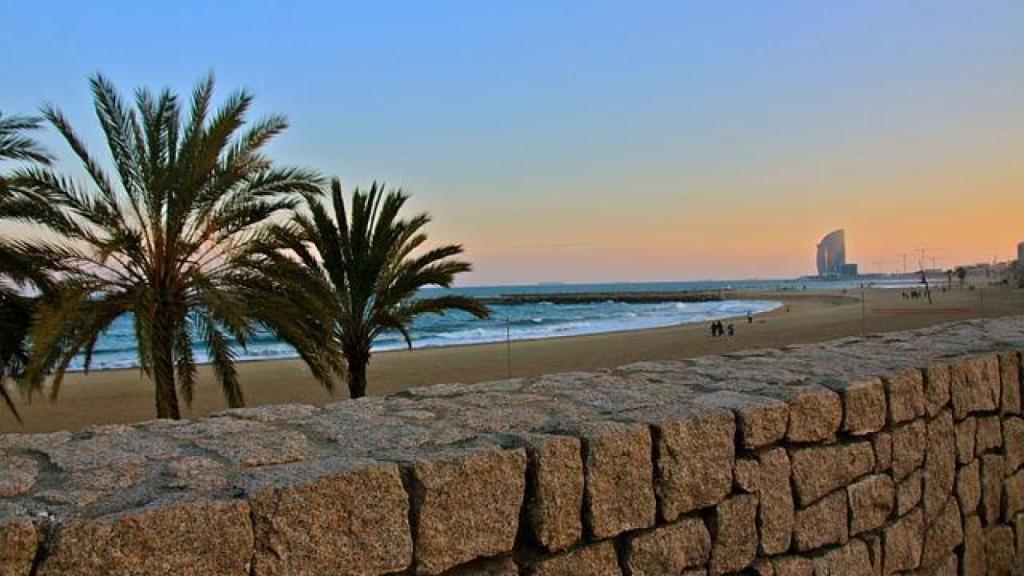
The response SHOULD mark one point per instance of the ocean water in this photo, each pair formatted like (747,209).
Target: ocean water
(116,348)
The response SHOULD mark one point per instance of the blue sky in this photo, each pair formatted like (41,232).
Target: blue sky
(603,141)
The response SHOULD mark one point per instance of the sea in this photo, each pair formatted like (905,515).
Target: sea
(116,348)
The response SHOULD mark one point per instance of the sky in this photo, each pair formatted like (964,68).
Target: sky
(602,141)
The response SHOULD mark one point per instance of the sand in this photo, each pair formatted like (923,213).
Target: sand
(123,396)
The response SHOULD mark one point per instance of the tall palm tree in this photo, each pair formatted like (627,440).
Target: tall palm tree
(363,266)
(21,269)
(160,237)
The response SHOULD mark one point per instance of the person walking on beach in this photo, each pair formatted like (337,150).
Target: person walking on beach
(750,317)
(731,330)
(714,329)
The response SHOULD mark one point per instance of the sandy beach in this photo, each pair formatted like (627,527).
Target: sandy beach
(122,396)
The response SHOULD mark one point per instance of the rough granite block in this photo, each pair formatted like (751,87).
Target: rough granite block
(188,538)
(939,464)
(905,393)
(1010,379)
(904,543)
(695,455)
(989,437)
(669,549)
(734,535)
(18,541)
(760,420)
(815,413)
(1000,555)
(943,534)
(882,444)
(775,514)
(793,566)
(297,511)
(619,493)
(465,505)
(555,494)
(909,491)
(597,560)
(864,407)
(822,523)
(991,488)
(973,555)
(909,443)
(975,385)
(1013,496)
(851,559)
(968,487)
(498,567)
(871,502)
(936,388)
(818,470)
(1013,444)
(966,436)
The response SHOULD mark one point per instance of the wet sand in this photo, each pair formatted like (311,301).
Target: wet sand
(122,396)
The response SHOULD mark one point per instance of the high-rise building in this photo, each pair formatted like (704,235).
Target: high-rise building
(832,254)
(1020,255)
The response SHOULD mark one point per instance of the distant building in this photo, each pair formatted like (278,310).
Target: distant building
(832,256)
(1020,256)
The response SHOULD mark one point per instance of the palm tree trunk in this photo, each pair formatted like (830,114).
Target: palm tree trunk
(163,368)
(357,362)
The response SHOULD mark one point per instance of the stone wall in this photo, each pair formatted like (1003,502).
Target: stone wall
(895,453)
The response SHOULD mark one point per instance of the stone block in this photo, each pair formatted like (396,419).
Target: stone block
(734,534)
(864,407)
(1010,379)
(619,494)
(973,555)
(943,534)
(905,393)
(669,549)
(246,442)
(991,488)
(187,538)
(904,543)
(297,511)
(1013,496)
(909,443)
(1018,528)
(851,559)
(936,388)
(815,413)
(966,437)
(465,505)
(1013,444)
(882,444)
(822,523)
(596,560)
(17,475)
(871,502)
(760,420)
(1000,556)
(975,385)
(940,464)
(989,436)
(950,566)
(496,567)
(909,491)
(793,566)
(968,487)
(694,461)
(818,470)
(775,513)
(555,491)
(19,539)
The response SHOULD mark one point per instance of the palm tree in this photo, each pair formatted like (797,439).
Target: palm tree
(160,238)
(363,267)
(21,268)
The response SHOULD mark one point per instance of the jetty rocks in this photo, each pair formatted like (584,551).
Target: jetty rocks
(896,453)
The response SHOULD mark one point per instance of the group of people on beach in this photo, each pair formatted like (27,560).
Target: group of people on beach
(718,330)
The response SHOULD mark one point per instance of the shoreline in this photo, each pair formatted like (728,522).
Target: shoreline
(122,395)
